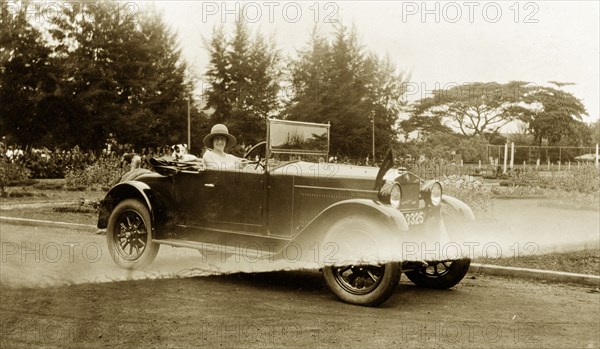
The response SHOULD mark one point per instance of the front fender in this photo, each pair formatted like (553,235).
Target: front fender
(459,206)
(314,232)
(363,207)
(122,191)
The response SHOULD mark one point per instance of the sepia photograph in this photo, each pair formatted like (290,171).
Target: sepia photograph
(293,174)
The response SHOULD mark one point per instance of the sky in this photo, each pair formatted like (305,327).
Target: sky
(441,44)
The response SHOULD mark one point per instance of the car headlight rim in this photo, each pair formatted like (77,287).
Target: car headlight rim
(435,194)
(396,196)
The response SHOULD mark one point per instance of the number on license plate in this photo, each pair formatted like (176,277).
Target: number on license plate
(414,218)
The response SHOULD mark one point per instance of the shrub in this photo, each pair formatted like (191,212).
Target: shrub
(49,186)
(584,179)
(470,191)
(12,173)
(105,172)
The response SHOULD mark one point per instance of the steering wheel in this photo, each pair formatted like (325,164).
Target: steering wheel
(257,152)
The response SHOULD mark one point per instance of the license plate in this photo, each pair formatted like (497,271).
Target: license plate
(414,218)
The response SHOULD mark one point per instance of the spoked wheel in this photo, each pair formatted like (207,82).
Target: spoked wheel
(360,279)
(368,285)
(440,275)
(129,235)
(360,273)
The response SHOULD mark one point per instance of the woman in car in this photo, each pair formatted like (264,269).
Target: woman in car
(219,141)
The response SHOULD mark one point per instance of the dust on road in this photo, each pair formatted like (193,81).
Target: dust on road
(60,288)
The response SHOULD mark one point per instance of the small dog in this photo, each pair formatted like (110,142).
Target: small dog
(180,153)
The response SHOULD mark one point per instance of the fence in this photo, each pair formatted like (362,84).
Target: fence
(524,154)
(549,158)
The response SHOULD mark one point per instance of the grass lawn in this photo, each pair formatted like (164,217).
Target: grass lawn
(47,200)
(581,262)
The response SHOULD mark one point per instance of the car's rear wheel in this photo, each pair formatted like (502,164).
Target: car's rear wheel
(361,272)
(129,235)
(440,275)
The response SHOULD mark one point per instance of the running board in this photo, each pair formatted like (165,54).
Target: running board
(208,248)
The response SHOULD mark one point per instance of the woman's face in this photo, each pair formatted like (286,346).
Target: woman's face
(219,142)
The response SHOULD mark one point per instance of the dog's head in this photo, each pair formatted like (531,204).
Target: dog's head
(180,153)
(179,150)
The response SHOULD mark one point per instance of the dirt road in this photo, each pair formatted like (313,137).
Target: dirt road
(63,299)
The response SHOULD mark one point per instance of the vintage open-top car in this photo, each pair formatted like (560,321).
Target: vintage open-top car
(361,226)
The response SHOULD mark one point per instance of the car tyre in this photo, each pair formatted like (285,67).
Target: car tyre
(440,275)
(366,285)
(129,235)
(354,282)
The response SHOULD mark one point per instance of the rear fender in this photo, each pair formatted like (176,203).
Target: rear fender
(458,206)
(123,191)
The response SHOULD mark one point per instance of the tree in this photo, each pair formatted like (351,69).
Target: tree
(553,113)
(218,77)
(338,82)
(385,93)
(92,40)
(472,109)
(423,125)
(26,76)
(156,87)
(120,75)
(310,81)
(243,78)
(594,128)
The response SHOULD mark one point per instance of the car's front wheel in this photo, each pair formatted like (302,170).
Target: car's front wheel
(440,275)
(129,235)
(361,270)
(367,285)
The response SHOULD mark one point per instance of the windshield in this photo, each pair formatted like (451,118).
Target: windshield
(298,140)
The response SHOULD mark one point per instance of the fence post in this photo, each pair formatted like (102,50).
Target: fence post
(537,164)
(596,155)
(505,157)
(512,155)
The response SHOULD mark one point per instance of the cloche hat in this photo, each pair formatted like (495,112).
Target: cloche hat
(219,130)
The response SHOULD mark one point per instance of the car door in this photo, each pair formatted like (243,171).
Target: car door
(222,200)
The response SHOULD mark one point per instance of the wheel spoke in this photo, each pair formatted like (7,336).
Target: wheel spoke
(138,223)
(360,279)
(343,269)
(373,277)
